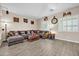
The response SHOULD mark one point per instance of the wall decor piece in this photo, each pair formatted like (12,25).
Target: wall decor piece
(69,13)
(25,20)
(15,19)
(7,12)
(54,20)
(32,22)
(66,13)
(45,18)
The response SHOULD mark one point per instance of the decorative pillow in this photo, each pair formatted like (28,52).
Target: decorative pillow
(22,32)
(25,32)
(28,32)
(16,33)
(11,33)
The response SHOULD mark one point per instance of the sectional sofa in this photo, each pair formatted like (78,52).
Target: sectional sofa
(14,37)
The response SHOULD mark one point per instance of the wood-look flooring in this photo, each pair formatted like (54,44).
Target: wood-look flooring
(41,48)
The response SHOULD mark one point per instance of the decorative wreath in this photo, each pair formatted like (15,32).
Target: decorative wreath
(54,20)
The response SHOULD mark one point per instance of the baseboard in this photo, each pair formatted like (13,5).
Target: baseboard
(69,40)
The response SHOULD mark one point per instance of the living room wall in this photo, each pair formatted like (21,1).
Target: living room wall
(15,26)
(68,36)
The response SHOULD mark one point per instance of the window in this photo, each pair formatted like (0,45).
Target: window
(69,24)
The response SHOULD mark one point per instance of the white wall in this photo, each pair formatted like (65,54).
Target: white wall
(13,26)
(68,36)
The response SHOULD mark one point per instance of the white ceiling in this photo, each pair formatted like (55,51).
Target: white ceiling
(37,10)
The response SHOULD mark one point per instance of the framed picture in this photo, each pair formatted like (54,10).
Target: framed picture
(32,22)
(15,19)
(25,20)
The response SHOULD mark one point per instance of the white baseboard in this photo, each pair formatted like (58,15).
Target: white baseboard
(69,40)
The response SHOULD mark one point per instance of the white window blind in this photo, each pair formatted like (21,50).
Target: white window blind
(69,24)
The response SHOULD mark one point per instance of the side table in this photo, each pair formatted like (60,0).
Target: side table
(51,36)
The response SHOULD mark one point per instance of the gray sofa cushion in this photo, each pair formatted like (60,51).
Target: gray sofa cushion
(15,38)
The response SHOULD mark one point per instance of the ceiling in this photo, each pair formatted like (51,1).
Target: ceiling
(37,10)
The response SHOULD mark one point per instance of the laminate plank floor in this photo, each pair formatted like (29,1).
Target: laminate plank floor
(41,48)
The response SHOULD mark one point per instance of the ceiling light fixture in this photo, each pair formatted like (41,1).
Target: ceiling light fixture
(51,9)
